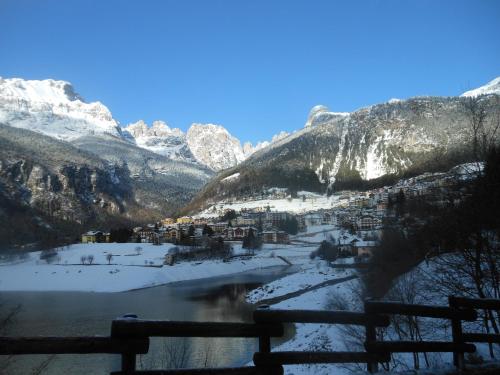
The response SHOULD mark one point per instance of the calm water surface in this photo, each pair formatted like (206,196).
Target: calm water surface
(76,313)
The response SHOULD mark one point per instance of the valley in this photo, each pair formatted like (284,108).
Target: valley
(94,208)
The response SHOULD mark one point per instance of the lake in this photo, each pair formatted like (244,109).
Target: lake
(219,299)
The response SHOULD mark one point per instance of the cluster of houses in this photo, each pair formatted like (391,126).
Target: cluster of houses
(174,230)
(363,214)
(95,236)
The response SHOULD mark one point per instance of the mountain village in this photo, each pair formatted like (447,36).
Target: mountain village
(358,218)
(250,187)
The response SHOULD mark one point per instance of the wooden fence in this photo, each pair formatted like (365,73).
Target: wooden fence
(130,336)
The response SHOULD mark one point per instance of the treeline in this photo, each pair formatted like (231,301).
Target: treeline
(424,231)
(437,161)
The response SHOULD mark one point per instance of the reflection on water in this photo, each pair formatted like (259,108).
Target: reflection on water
(72,314)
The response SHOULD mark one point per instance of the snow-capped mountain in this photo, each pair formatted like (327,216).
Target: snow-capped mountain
(161,139)
(67,163)
(212,145)
(207,144)
(492,87)
(53,108)
(364,148)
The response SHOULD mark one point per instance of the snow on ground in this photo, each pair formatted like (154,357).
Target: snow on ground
(347,295)
(311,274)
(317,233)
(317,337)
(129,269)
(313,202)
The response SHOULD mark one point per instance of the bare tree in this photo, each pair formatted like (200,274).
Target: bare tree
(83,259)
(109,257)
(484,123)
(90,258)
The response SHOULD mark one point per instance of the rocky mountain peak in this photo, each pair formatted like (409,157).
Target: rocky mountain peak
(212,145)
(53,108)
(321,114)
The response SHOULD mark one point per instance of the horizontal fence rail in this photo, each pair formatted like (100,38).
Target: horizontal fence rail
(130,336)
(328,317)
(418,347)
(157,328)
(482,337)
(71,345)
(442,312)
(477,303)
(294,358)
(249,370)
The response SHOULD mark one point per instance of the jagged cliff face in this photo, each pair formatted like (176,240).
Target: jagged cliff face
(47,185)
(341,150)
(69,193)
(213,145)
(387,138)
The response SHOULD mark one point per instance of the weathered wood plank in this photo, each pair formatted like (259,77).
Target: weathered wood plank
(251,370)
(71,345)
(443,312)
(159,328)
(418,347)
(481,337)
(477,303)
(312,316)
(294,358)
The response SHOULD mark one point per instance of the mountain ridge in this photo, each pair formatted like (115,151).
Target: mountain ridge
(366,147)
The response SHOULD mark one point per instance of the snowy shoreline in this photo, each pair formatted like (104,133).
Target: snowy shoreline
(129,270)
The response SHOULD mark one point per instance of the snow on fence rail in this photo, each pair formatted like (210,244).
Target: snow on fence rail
(130,336)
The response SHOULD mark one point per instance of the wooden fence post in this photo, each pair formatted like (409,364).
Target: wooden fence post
(128,358)
(371,337)
(264,341)
(265,346)
(457,335)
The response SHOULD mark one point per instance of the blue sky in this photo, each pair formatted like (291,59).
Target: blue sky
(256,67)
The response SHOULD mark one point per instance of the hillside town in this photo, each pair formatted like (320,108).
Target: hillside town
(358,218)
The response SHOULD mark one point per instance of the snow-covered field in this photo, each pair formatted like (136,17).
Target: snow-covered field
(313,202)
(315,337)
(311,274)
(348,295)
(129,269)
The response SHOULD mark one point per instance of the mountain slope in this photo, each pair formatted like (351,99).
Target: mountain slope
(161,184)
(345,151)
(68,164)
(48,186)
(492,87)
